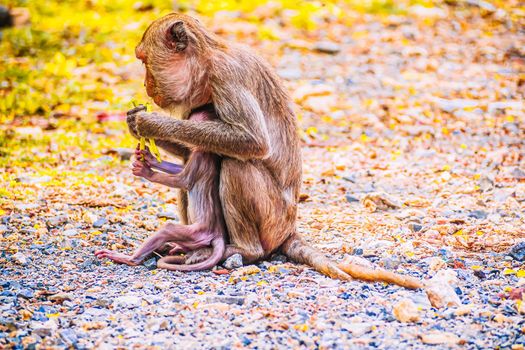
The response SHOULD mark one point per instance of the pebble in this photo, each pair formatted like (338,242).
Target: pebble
(128,301)
(151,264)
(57,221)
(60,297)
(168,215)
(70,232)
(100,222)
(437,338)
(20,259)
(406,311)
(233,262)
(226,299)
(440,289)
(328,47)
(518,251)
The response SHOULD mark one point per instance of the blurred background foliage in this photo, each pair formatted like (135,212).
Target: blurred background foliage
(67,58)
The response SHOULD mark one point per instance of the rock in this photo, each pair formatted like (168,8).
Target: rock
(463,310)
(518,251)
(168,215)
(43,329)
(60,297)
(244,271)
(100,222)
(70,232)
(518,174)
(415,227)
(327,47)
(233,262)
(435,264)
(406,311)
(151,264)
(56,221)
(357,329)
(351,199)
(290,73)
(437,337)
(128,301)
(391,263)
(380,201)
(26,293)
(478,214)
(226,299)
(20,259)
(69,337)
(440,289)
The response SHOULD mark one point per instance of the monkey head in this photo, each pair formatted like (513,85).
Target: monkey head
(175,51)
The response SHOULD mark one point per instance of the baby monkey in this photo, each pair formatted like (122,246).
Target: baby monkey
(200,177)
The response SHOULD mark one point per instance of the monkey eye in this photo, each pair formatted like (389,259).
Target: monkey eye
(177,36)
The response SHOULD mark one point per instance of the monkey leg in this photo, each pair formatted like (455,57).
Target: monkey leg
(297,250)
(168,233)
(259,216)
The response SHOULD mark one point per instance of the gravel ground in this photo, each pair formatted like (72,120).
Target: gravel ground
(413,160)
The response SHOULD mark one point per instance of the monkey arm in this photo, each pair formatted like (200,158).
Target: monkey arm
(177,180)
(240,132)
(167,167)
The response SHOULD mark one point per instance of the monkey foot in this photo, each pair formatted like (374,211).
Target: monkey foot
(116,257)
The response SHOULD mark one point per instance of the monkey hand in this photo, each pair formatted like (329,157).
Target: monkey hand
(147,157)
(131,119)
(141,169)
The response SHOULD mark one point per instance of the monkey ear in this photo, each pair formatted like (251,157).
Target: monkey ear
(177,36)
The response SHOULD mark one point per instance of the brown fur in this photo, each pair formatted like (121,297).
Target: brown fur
(256,134)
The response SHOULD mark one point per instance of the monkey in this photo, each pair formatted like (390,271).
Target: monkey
(255,133)
(200,177)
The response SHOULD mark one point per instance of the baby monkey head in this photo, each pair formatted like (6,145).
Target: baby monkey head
(175,51)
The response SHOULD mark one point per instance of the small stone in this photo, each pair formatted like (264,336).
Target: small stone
(167,215)
(128,301)
(226,299)
(406,311)
(478,214)
(70,232)
(328,47)
(463,310)
(351,199)
(290,73)
(57,221)
(60,297)
(233,262)
(518,174)
(151,264)
(69,337)
(26,293)
(437,337)
(358,328)
(100,222)
(20,259)
(415,227)
(440,291)
(518,251)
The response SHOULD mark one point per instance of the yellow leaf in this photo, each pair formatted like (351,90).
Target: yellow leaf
(509,272)
(520,274)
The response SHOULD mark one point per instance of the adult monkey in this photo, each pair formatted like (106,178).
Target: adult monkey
(188,67)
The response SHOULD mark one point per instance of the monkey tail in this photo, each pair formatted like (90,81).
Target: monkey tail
(174,263)
(297,250)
